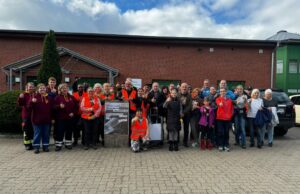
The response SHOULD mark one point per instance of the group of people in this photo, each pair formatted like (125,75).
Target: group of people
(207,112)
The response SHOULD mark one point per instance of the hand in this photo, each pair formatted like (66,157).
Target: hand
(91,109)
(168,99)
(153,100)
(181,115)
(53,121)
(21,95)
(62,105)
(135,119)
(53,90)
(71,114)
(220,104)
(34,100)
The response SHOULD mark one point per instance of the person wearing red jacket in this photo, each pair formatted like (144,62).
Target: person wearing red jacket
(91,108)
(224,116)
(27,128)
(41,118)
(66,107)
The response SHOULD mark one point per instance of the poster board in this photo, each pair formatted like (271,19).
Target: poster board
(116,118)
(137,83)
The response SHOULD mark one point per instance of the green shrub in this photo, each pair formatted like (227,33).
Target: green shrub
(10,112)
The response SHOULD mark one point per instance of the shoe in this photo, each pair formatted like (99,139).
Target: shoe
(186,145)
(36,151)
(45,149)
(176,146)
(57,148)
(243,146)
(102,143)
(69,147)
(251,145)
(94,147)
(270,144)
(85,147)
(75,143)
(220,148)
(209,145)
(195,144)
(226,149)
(171,146)
(28,147)
(202,144)
(236,144)
(258,146)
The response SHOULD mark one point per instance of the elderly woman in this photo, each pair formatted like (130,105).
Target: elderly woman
(91,108)
(272,105)
(66,108)
(255,104)
(195,115)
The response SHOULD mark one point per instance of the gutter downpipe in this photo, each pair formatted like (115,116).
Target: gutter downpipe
(272,70)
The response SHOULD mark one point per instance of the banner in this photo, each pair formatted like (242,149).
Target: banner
(116,117)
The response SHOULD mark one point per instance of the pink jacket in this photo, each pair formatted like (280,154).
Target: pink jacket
(207,120)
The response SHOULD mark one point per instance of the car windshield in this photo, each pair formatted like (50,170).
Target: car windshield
(280,97)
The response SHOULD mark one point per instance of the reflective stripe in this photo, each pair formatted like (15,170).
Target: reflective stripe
(58,143)
(27,142)
(68,142)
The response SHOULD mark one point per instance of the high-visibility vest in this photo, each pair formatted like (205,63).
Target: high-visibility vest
(132,105)
(79,99)
(87,104)
(111,96)
(139,130)
(145,109)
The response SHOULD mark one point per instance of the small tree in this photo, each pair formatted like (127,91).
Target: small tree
(50,60)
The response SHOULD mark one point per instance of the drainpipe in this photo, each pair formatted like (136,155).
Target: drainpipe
(113,77)
(10,79)
(272,70)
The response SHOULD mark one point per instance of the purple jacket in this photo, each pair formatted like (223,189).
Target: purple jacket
(204,121)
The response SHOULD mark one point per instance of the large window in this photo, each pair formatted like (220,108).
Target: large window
(166,82)
(293,66)
(279,66)
(231,85)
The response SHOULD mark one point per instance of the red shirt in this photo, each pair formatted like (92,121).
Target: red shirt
(225,108)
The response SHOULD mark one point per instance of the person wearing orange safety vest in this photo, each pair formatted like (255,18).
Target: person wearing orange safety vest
(78,94)
(129,94)
(91,108)
(142,102)
(139,132)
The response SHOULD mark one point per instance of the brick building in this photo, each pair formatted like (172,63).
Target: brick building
(112,58)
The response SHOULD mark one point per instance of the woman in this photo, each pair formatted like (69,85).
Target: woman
(241,106)
(272,105)
(41,117)
(195,115)
(224,116)
(100,130)
(66,107)
(174,109)
(23,100)
(255,104)
(91,108)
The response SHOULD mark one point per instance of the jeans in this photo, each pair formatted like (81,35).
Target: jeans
(41,132)
(195,127)
(240,130)
(186,125)
(223,133)
(253,128)
(64,131)
(270,129)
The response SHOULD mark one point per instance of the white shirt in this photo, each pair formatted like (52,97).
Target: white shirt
(255,105)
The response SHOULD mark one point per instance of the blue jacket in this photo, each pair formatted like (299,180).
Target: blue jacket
(263,117)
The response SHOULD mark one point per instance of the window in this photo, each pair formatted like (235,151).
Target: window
(231,85)
(166,82)
(293,66)
(279,67)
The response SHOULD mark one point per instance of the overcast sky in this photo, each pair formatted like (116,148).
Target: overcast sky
(250,19)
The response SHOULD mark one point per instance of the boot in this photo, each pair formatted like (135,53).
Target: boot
(202,144)
(171,146)
(209,145)
(175,146)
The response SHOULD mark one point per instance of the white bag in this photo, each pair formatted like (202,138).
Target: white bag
(155,131)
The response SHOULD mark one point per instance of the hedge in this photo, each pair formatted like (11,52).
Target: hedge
(10,112)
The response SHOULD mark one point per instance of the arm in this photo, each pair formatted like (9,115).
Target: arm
(82,108)
(97,113)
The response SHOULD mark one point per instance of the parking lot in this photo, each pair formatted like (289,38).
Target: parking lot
(118,170)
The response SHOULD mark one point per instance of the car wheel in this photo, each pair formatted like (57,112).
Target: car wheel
(280,131)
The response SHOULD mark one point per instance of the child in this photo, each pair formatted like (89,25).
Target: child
(174,113)
(139,132)
(206,124)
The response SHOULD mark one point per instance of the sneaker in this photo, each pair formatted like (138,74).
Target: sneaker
(36,151)
(68,147)
(186,145)
(226,149)
(195,144)
(58,148)
(270,144)
(28,147)
(220,148)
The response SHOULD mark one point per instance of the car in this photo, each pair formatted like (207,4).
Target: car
(296,100)
(285,112)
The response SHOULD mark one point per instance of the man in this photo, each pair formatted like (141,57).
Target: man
(229,93)
(52,93)
(129,94)
(186,102)
(205,90)
(156,101)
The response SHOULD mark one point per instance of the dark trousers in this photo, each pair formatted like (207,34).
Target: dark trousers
(90,131)
(101,128)
(28,131)
(64,131)
(206,132)
(79,127)
(186,125)
(223,133)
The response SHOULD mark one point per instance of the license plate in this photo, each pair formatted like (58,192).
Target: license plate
(280,111)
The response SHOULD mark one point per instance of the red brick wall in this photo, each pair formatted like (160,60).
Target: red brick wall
(188,63)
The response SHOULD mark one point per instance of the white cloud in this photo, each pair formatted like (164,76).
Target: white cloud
(255,19)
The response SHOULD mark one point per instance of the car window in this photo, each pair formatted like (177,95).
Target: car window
(296,100)
(280,97)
